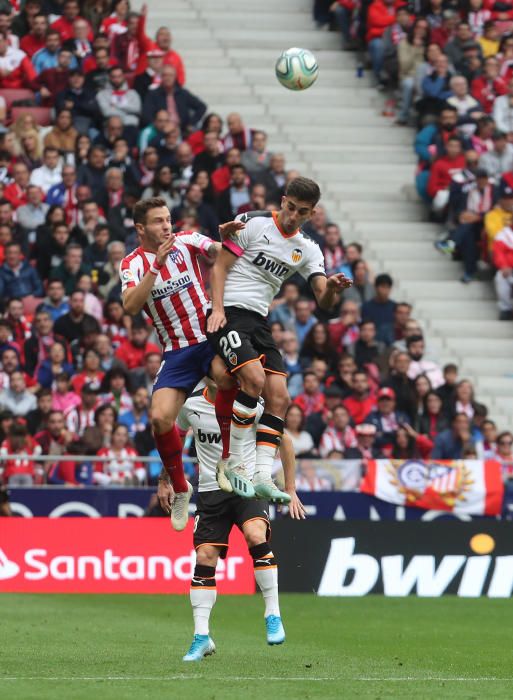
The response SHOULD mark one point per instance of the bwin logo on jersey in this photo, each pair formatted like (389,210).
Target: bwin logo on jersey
(211,438)
(297,254)
(270,265)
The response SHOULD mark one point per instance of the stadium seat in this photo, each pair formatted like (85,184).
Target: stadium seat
(12,95)
(42,115)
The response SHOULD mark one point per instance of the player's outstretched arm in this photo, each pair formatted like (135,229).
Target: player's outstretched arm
(223,263)
(134,298)
(327,290)
(288,460)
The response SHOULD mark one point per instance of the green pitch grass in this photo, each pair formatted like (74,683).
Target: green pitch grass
(130,647)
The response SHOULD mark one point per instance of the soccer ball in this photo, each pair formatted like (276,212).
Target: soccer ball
(297,69)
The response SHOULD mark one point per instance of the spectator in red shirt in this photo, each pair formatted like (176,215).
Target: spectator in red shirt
(171,58)
(312,399)
(441,35)
(16,70)
(381,14)
(502,251)
(36,39)
(126,47)
(488,86)
(443,171)
(122,468)
(91,373)
(360,402)
(221,178)
(55,439)
(16,192)
(133,351)
(64,25)
(20,471)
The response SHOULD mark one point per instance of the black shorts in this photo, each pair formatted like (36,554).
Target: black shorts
(217,512)
(246,338)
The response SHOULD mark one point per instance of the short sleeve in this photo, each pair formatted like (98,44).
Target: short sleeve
(127,274)
(182,420)
(196,242)
(238,243)
(313,263)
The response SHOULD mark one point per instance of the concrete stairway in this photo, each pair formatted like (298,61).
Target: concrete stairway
(335,133)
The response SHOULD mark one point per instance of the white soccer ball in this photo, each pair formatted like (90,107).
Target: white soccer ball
(297,69)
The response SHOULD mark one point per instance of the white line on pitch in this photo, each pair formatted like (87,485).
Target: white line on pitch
(250,678)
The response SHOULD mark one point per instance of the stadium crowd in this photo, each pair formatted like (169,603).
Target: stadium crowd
(451,63)
(94,114)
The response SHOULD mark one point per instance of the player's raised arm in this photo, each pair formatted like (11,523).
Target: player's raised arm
(224,261)
(134,298)
(288,460)
(327,290)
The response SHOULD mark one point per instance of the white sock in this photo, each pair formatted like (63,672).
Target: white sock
(243,417)
(202,601)
(267,580)
(265,456)
(268,438)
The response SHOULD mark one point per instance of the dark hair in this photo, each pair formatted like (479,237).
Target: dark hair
(304,190)
(310,350)
(101,409)
(451,367)
(355,264)
(413,339)
(397,452)
(143,206)
(18,430)
(111,374)
(384,280)
(205,126)
(157,186)
(411,30)
(295,405)
(432,392)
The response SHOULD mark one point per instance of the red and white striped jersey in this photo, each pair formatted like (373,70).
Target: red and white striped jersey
(120,467)
(178,301)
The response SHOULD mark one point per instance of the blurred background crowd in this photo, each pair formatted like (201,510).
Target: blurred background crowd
(95,114)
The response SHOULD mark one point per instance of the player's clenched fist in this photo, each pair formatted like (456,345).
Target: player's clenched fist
(339,281)
(216,320)
(164,249)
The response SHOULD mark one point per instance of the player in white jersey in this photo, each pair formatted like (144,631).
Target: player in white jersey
(217,512)
(246,277)
(162,276)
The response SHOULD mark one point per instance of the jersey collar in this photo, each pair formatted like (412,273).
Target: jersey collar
(283,233)
(205,396)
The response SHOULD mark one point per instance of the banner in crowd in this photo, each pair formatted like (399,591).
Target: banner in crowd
(95,502)
(472,487)
(467,559)
(110,555)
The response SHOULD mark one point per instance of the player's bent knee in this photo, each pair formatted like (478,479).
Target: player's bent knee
(207,555)
(161,423)
(255,532)
(252,379)
(277,404)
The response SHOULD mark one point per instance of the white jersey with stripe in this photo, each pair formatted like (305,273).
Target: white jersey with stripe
(199,414)
(178,300)
(266,257)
